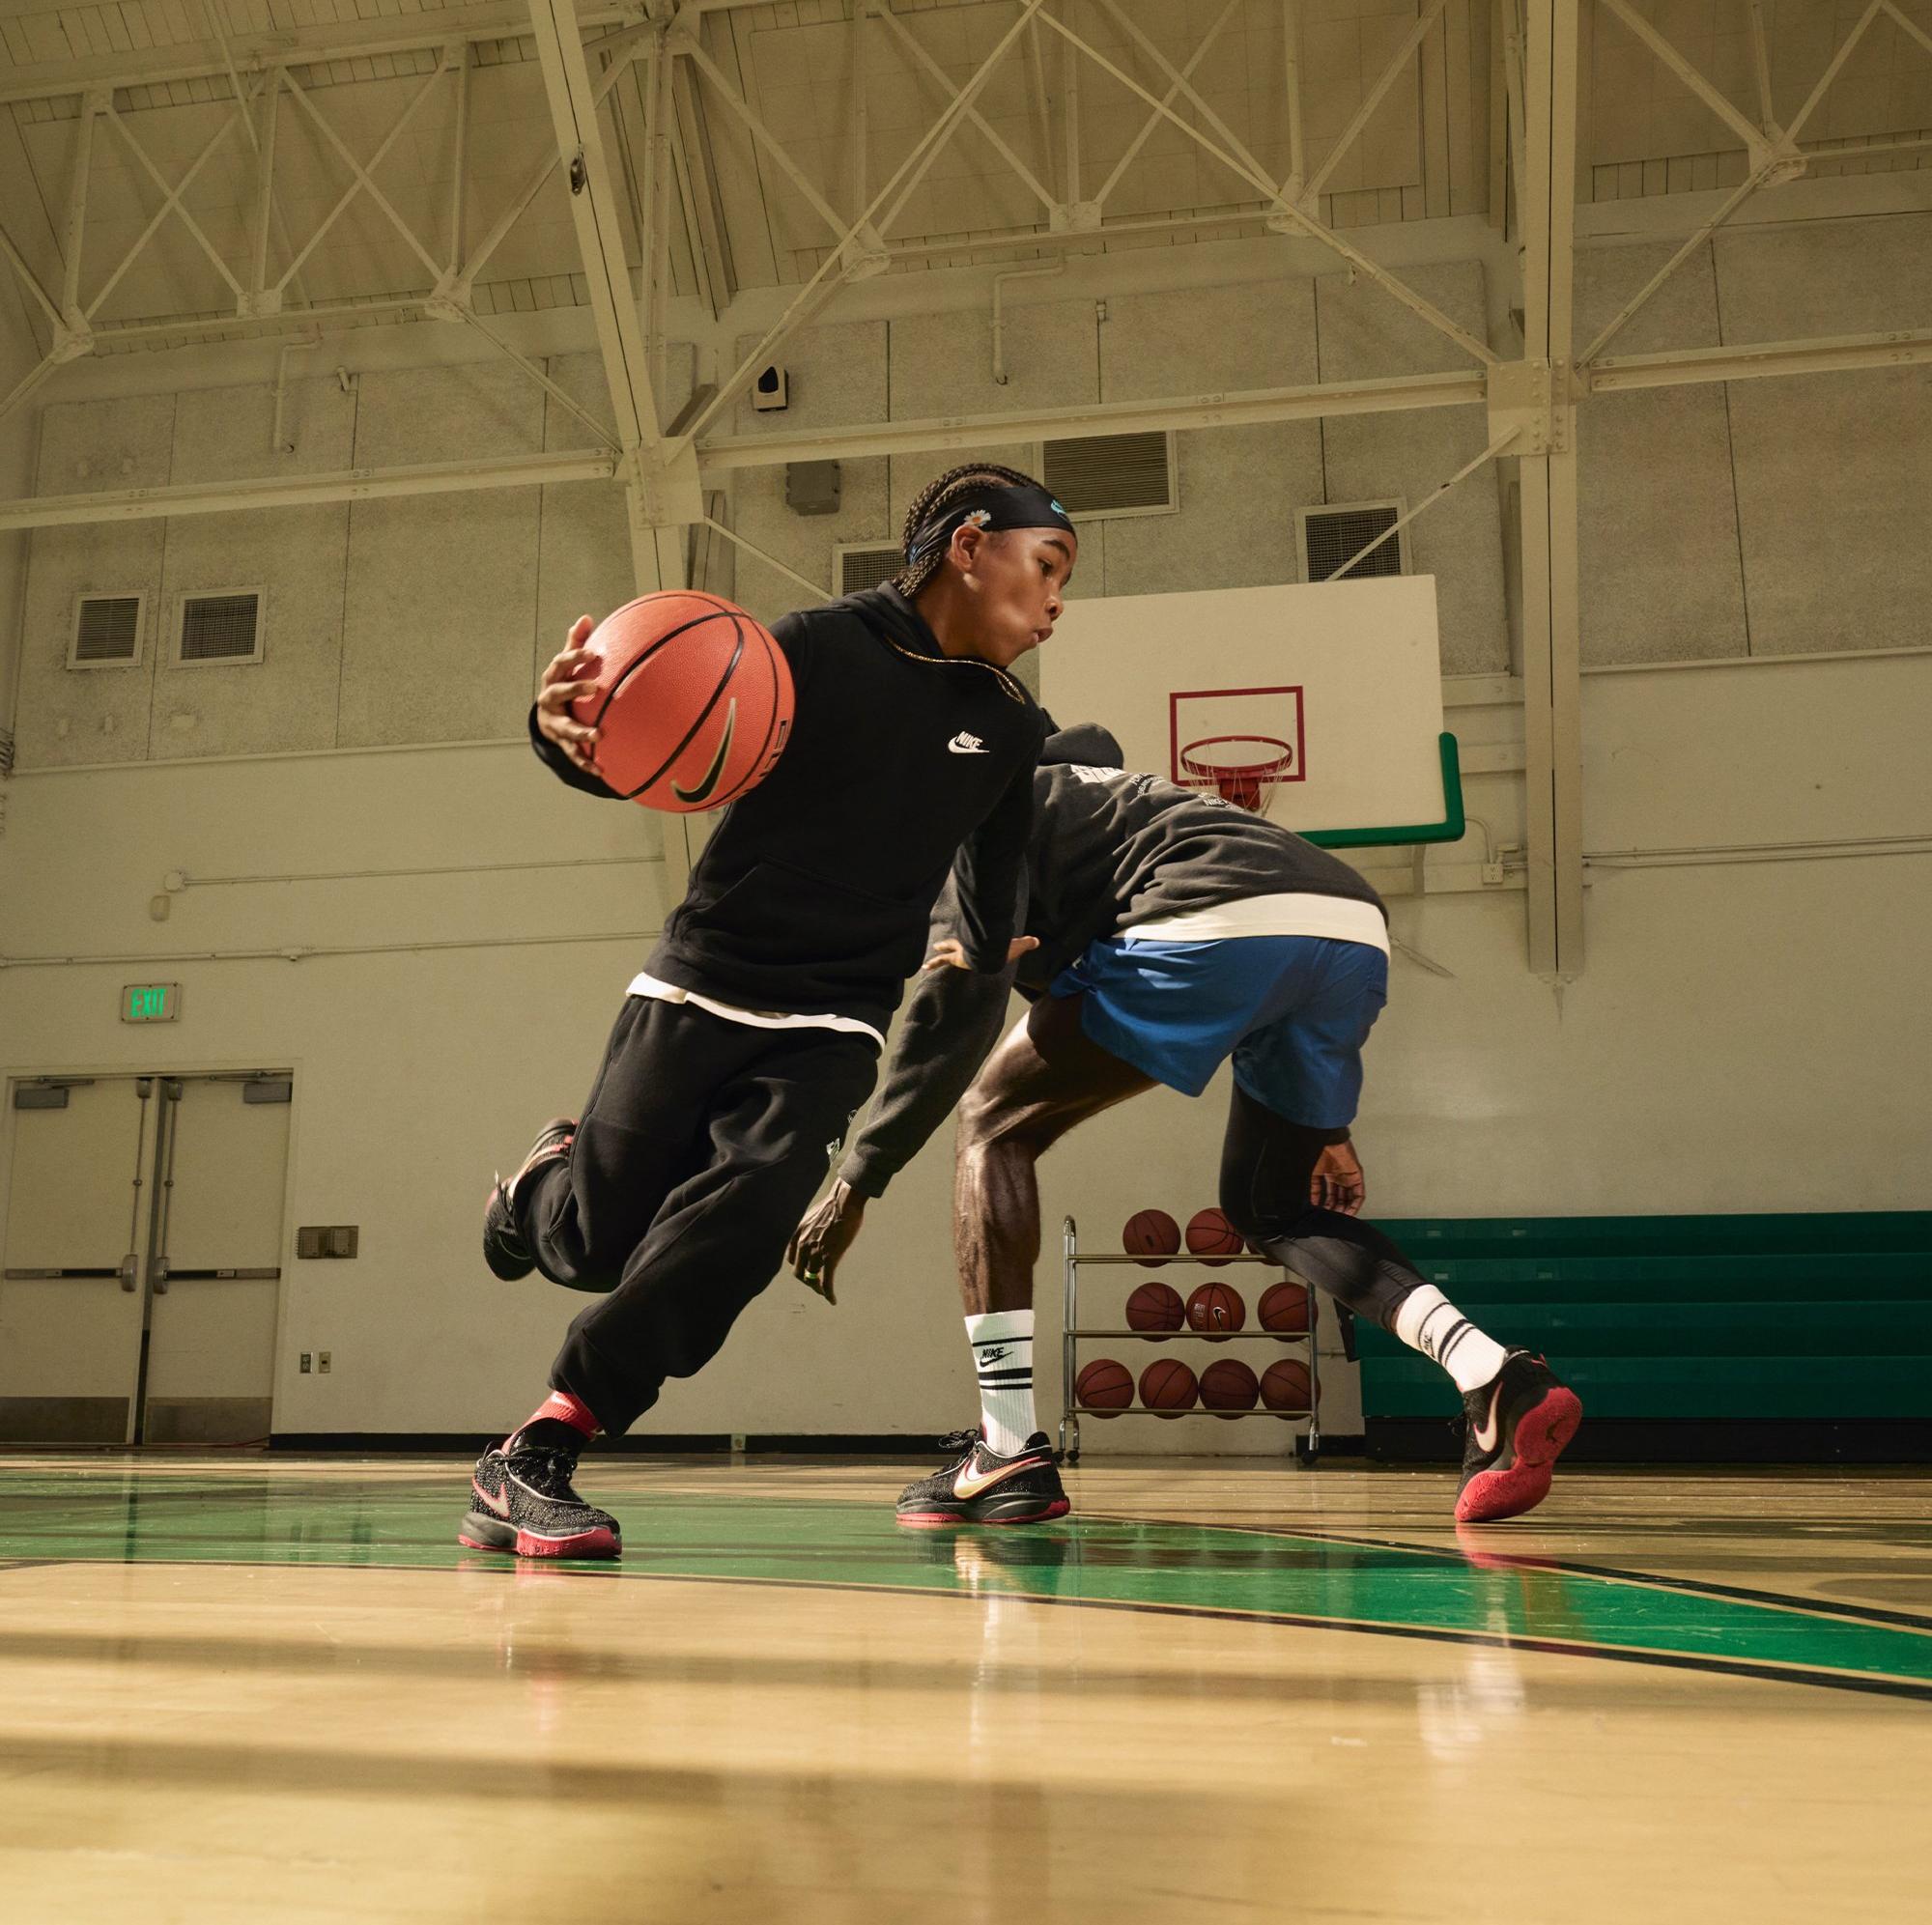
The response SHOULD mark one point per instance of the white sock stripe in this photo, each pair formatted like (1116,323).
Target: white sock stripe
(1002,1343)
(1426,1320)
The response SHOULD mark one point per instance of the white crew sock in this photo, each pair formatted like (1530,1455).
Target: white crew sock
(1426,1320)
(1002,1343)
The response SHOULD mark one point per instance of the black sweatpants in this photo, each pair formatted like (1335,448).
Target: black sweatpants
(702,1145)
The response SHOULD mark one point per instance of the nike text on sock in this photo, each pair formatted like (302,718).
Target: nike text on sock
(1426,1320)
(1002,1343)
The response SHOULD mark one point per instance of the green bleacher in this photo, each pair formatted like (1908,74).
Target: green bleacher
(1688,1338)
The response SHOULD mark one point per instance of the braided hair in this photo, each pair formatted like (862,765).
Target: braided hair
(915,575)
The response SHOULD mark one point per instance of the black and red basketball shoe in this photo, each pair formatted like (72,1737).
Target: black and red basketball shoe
(1519,1425)
(983,1487)
(504,1250)
(521,1502)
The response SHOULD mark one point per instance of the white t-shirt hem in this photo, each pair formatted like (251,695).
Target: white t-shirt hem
(643,983)
(1339,918)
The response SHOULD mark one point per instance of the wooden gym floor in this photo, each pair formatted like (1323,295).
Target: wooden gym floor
(262,1689)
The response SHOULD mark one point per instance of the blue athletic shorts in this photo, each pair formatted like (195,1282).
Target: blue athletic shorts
(1294,1013)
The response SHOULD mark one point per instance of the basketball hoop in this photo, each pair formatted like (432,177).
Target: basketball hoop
(1239,768)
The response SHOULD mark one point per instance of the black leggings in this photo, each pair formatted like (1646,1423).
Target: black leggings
(1265,1166)
(702,1145)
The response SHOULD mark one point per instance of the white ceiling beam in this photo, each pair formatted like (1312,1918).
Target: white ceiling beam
(1838,353)
(1546,476)
(660,491)
(172,196)
(307,491)
(1291,51)
(1756,139)
(861,251)
(1373,99)
(1615,325)
(299,46)
(625,48)
(364,176)
(1291,217)
(1391,394)
(763,135)
(1105,190)
(909,44)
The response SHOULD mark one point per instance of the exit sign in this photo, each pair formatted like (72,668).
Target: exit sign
(150,1001)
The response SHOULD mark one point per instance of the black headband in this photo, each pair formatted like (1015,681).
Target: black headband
(990,504)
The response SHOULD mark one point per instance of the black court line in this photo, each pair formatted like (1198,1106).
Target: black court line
(1863,1683)
(1521,1561)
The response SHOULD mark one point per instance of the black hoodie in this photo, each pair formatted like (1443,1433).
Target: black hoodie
(1110,849)
(814,894)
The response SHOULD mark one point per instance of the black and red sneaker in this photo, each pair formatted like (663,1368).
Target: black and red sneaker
(521,1502)
(504,1250)
(1519,1425)
(983,1487)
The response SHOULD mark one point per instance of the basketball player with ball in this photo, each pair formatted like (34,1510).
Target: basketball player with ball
(862,747)
(1172,932)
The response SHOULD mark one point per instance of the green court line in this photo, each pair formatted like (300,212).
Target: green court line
(277,1520)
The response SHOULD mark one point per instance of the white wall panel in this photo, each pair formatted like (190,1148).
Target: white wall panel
(96,714)
(1370,456)
(297,557)
(1239,487)
(837,375)
(1658,534)
(1834,471)
(441,620)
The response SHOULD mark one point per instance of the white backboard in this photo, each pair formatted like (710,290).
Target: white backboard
(1330,692)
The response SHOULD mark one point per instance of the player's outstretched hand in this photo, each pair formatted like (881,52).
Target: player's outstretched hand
(1338,1183)
(822,1238)
(949,953)
(562,685)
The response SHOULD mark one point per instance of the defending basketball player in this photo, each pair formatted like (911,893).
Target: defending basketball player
(752,1033)
(1174,931)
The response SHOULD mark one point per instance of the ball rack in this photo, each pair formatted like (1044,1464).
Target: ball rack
(1306,1448)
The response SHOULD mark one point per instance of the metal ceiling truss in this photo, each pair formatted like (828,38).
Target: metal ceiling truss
(669,177)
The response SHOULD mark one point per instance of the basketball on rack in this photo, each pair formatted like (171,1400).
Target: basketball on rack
(1212,1238)
(1104,1388)
(1167,1387)
(1156,1307)
(694,701)
(1284,1307)
(1152,1234)
(1215,1310)
(1284,1385)
(1228,1385)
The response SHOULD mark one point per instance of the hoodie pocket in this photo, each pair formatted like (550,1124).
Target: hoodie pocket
(777,916)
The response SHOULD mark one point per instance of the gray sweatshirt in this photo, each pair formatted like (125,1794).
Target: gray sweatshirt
(1110,849)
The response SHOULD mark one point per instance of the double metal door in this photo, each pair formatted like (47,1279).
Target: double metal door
(142,1258)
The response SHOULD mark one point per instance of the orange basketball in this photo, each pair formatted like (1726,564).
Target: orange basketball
(1152,1234)
(1215,1310)
(1167,1387)
(1104,1388)
(1228,1386)
(1284,1385)
(1284,1307)
(694,700)
(1210,1236)
(1156,1307)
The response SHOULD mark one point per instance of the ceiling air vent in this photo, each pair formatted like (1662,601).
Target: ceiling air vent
(865,565)
(1329,536)
(106,631)
(1112,475)
(223,626)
